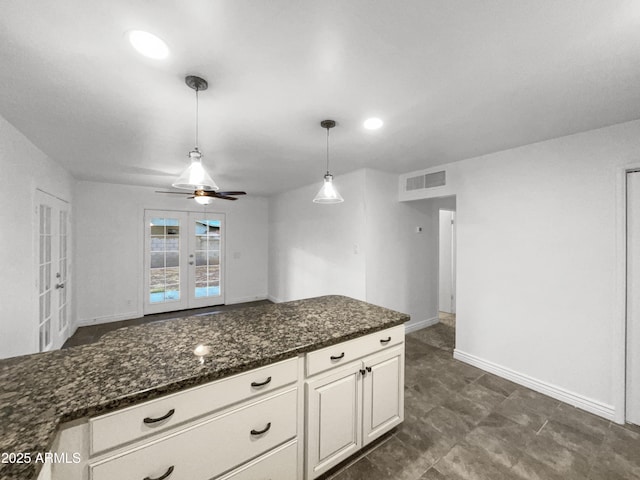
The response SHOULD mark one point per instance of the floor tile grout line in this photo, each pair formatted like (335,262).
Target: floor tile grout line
(543,425)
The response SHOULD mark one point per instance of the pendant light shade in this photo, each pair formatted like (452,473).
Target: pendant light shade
(195,177)
(328,193)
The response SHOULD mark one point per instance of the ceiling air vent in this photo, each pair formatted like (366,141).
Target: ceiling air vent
(430,180)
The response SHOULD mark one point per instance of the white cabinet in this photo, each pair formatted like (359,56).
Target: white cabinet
(256,425)
(351,405)
(383,397)
(333,419)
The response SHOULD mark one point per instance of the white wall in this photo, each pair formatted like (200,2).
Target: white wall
(312,246)
(538,246)
(317,249)
(110,247)
(402,266)
(24,168)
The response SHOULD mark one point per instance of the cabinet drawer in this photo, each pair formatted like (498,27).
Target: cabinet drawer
(127,425)
(211,447)
(279,464)
(343,353)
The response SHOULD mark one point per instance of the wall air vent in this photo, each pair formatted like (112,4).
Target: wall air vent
(429,180)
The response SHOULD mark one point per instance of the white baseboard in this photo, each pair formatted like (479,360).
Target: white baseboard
(85,322)
(413,326)
(254,298)
(559,393)
(274,299)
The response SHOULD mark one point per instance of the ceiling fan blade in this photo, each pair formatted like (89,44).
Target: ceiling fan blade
(231,193)
(225,197)
(179,193)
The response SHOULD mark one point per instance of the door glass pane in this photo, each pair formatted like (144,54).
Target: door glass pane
(164,274)
(207,254)
(44,276)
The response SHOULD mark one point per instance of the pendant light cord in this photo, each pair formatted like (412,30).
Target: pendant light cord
(197,118)
(327,151)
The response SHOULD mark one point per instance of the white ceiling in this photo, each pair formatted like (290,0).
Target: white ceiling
(452,79)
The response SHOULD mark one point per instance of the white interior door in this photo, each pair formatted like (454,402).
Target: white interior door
(446,278)
(633,298)
(184,260)
(53,270)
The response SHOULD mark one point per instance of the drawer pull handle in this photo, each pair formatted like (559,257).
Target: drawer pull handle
(261,384)
(337,357)
(386,340)
(162,477)
(260,432)
(159,419)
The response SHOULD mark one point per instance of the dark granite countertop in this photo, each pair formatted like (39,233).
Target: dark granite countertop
(134,364)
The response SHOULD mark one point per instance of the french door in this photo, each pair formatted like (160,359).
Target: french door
(184,260)
(52,277)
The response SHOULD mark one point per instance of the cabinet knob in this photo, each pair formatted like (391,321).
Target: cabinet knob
(162,477)
(369,369)
(363,372)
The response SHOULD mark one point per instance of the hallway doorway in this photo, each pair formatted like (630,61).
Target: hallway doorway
(447,267)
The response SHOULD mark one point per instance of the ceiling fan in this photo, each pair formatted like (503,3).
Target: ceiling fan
(205,197)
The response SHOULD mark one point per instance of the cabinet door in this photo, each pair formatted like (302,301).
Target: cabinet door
(333,418)
(383,393)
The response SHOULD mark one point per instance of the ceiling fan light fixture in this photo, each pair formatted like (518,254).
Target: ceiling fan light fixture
(328,193)
(195,177)
(203,200)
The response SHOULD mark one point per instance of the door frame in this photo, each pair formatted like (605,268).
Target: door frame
(452,265)
(619,373)
(186,302)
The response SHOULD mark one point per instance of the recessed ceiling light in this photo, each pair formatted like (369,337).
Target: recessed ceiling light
(373,123)
(148,44)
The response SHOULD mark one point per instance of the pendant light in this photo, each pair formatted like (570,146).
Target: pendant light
(195,177)
(328,193)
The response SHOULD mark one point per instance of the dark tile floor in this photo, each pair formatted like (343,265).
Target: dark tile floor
(92,333)
(463,423)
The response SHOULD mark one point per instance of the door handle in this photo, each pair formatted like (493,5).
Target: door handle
(59,285)
(191,262)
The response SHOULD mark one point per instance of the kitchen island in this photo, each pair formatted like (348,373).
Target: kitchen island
(41,393)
